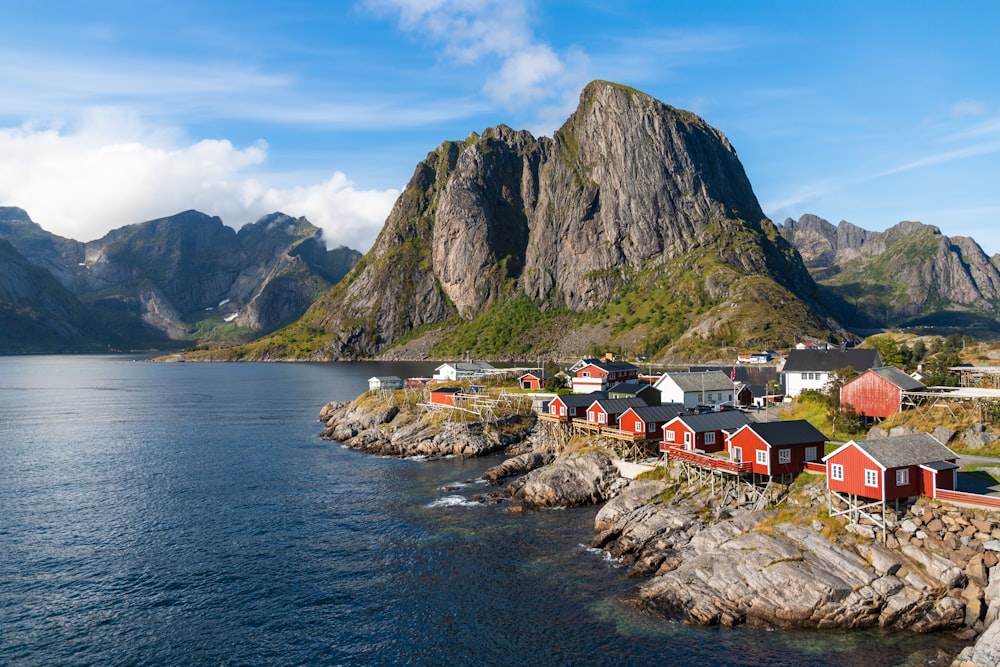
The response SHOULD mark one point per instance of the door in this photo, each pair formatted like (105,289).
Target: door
(737,456)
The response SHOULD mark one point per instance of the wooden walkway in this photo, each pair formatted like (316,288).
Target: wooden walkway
(707,460)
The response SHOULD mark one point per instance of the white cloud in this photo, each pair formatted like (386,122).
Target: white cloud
(528,71)
(114,171)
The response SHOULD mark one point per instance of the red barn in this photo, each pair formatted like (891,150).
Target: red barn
(567,407)
(648,422)
(777,448)
(878,392)
(605,411)
(707,431)
(891,468)
(444,395)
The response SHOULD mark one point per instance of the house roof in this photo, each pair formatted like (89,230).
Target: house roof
(610,366)
(792,432)
(386,378)
(658,413)
(730,420)
(541,376)
(707,381)
(831,360)
(580,400)
(620,405)
(902,450)
(898,378)
(630,388)
(446,390)
(473,366)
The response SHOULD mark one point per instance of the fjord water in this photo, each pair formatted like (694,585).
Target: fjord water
(187,514)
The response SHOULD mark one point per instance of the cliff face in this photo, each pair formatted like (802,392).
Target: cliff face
(908,274)
(628,192)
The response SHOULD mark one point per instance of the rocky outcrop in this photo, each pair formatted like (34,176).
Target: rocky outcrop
(570,481)
(628,189)
(368,425)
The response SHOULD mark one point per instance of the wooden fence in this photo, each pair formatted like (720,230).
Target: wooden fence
(988,502)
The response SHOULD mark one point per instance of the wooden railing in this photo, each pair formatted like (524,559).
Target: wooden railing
(705,460)
(816,467)
(991,502)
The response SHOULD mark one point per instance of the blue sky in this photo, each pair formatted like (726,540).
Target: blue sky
(118,112)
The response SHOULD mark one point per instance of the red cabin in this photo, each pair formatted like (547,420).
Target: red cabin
(534,380)
(444,395)
(706,432)
(567,407)
(878,392)
(892,468)
(598,375)
(648,422)
(777,448)
(606,411)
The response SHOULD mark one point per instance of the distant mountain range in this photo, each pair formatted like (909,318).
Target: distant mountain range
(634,228)
(909,275)
(164,283)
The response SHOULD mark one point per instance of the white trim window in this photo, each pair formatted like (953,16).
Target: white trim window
(810,453)
(669,435)
(784,456)
(902,477)
(710,438)
(762,457)
(638,426)
(602,418)
(871,477)
(837,472)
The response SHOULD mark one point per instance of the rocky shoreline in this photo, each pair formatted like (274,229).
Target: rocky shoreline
(708,565)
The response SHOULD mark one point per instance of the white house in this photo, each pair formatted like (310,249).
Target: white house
(811,369)
(461,370)
(693,389)
(384,382)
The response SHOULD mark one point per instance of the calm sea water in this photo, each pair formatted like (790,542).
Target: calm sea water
(187,514)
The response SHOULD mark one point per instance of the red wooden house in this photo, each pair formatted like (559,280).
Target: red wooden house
(878,392)
(444,395)
(892,468)
(534,380)
(599,375)
(777,448)
(567,407)
(606,411)
(707,431)
(648,422)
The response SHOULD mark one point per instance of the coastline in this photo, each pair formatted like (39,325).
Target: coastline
(706,565)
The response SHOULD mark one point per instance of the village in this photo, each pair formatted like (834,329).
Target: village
(721,427)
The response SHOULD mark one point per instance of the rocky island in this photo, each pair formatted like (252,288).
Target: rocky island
(703,563)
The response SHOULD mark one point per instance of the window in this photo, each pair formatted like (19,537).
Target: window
(669,435)
(572,412)
(762,457)
(810,453)
(638,426)
(837,472)
(652,427)
(784,456)
(871,477)
(585,374)
(903,477)
(710,438)
(805,376)
(602,418)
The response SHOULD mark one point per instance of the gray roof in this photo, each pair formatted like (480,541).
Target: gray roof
(729,420)
(659,413)
(906,450)
(792,432)
(831,360)
(708,381)
(620,405)
(631,388)
(899,378)
(580,400)
(386,378)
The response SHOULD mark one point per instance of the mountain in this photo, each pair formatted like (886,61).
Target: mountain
(38,314)
(634,226)
(908,275)
(187,277)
